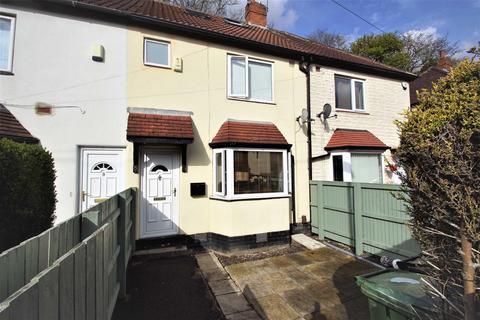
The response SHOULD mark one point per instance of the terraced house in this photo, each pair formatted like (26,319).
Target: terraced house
(214,120)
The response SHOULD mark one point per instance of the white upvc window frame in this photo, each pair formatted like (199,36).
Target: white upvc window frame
(215,191)
(229,175)
(347,162)
(152,64)
(246,96)
(11,41)
(352,93)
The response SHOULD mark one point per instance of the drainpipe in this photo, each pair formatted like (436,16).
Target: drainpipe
(305,66)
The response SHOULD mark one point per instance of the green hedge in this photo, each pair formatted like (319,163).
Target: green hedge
(27,192)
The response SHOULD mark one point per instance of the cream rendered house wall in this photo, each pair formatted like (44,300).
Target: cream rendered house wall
(202,88)
(385,101)
(52,63)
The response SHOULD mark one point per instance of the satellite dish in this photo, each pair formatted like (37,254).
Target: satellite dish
(327,111)
(304,115)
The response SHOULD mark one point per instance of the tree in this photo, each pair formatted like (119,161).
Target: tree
(424,47)
(387,48)
(215,7)
(475,51)
(440,154)
(330,39)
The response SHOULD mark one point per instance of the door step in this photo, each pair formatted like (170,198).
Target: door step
(170,251)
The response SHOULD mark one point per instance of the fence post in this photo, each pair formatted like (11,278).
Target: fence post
(357,216)
(122,242)
(90,222)
(320,211)
(133,216)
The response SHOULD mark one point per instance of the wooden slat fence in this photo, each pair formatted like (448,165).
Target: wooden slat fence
(369,217)
(75,270)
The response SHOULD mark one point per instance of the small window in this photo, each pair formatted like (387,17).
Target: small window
(219,174)
(157,53)
(102,166)
(7,30)
(159,168)
(250,79)
(337,168)
(349,94)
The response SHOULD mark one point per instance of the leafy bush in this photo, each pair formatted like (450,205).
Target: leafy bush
(440,153)
(27,192)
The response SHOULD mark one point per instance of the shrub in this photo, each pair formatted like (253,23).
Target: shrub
(27,192)
(440,153)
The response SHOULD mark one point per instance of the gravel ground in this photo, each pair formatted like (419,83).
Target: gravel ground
(258,254)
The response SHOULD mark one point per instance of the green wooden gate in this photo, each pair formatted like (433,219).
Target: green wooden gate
(369,217)
(75,270)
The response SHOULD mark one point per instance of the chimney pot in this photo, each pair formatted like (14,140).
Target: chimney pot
(256,13)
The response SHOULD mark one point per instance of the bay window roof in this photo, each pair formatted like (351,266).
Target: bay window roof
(354,139)
(236,133)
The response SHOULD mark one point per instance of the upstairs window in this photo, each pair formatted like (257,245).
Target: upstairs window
(349,94)
(250,79)
(156,53)
(7,30)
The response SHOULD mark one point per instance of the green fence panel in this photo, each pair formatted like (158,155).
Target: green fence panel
(74,270)
(369,217)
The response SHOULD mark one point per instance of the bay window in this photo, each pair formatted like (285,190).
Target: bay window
(364,167)
(241,173)
(349,93)
(250,79)
(7,29)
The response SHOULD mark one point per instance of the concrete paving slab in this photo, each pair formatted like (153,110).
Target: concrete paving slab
(300,301)
(215,275)
(208,261)
(223,287)
(307,242)
(232,303)
(274,307)
(245,315)
(255,290)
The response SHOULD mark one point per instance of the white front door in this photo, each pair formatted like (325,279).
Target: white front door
(101,175)
(160,184)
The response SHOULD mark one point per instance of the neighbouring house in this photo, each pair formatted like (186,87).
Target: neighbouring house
(431,75)
(200,112)
(11,128)
(357,141)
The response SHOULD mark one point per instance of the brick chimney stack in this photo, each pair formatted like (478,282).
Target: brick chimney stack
(256,13)
(444,62)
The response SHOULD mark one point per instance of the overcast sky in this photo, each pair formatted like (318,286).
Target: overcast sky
(459,19)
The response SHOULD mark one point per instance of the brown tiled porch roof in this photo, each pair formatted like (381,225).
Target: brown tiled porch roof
(354,139)
(12,129)
(142,125)
(249,133)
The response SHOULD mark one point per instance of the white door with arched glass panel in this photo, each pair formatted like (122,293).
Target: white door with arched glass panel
(101,175)
(160,183)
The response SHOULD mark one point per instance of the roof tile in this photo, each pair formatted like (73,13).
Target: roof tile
(11,128)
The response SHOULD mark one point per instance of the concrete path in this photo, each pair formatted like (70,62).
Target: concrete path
(313,284)
(229,297)
(162,287)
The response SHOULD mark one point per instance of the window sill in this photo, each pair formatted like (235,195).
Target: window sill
(352,111)
(250,198)
(253,101)
(6,73)
(157,66)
